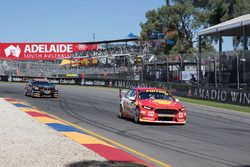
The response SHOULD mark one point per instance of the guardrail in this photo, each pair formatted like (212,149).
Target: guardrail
(231,96)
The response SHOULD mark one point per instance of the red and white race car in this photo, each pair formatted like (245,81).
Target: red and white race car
(151,105)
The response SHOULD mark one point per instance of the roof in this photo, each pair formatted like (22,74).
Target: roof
(113,41)
(131,35)
(231,27)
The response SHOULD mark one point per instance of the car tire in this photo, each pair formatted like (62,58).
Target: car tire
(137,116)
(54,96)
(121,112)
(183,124)
(32,93)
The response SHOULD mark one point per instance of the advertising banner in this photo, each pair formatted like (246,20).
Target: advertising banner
(79,62)
(62,81)
(3,78)
(42,51)
(231,96)
(88,61)
(187,75)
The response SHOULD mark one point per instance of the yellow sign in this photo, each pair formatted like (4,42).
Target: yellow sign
(71,75)
(157,91)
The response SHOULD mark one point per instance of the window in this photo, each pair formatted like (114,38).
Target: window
(155,95)
(131,93)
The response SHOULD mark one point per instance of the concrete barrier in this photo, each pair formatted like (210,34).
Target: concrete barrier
(231,96)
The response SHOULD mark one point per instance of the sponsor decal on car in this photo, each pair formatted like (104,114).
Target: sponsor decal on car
(166,102)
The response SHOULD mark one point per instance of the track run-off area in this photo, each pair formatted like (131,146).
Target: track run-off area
(211,138)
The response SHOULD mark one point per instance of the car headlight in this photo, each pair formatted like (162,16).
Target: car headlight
(182,109)
(36,88)
(148,108)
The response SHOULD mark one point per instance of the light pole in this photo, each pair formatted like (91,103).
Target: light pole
(180,68)
(197,69)
(93,35)
(167,69)
(238,73)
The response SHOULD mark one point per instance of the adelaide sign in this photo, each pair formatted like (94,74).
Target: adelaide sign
(42,51)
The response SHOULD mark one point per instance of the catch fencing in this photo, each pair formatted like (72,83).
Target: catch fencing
(228,70)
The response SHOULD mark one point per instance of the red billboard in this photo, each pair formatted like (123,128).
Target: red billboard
(42,51)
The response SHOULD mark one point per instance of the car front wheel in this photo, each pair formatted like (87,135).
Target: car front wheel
(54,96)
(25,93)
(32,93)
(121,112)
(137,116)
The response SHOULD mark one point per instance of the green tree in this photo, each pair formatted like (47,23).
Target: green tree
(180,21)
(177,21)
(217,11)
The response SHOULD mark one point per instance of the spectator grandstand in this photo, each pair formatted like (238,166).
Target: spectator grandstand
(133,60)
(129,60)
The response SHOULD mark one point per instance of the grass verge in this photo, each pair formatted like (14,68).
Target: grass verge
(216,104)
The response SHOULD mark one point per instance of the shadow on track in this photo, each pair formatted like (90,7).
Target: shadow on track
(105,164)
(149,123)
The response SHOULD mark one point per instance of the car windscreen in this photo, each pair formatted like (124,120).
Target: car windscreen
(162,95)
(42,84)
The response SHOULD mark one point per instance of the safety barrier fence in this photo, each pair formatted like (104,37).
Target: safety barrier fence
(231,96)
(230,69)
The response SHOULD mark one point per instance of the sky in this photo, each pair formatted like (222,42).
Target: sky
(72,20)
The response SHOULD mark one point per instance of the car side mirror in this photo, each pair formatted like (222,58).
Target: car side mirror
(177,100)
(131,98)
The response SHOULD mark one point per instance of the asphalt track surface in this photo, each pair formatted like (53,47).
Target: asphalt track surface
(212,137)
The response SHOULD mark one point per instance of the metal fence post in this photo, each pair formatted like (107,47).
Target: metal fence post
(167,70)
(142,70)
(238,74)
(197,69)
(220,57)
(200,71)
(243,55)
(215,73)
